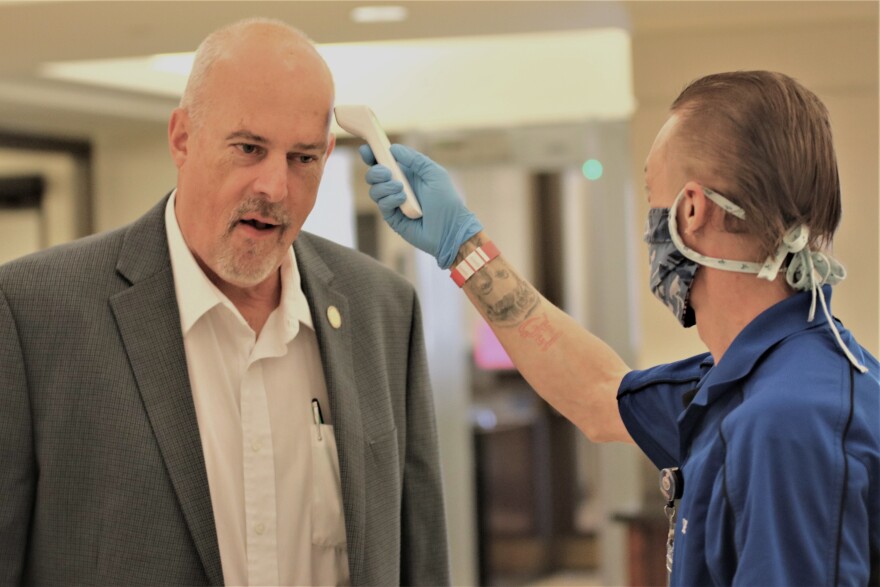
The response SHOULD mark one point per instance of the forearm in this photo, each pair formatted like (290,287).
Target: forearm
(569,367)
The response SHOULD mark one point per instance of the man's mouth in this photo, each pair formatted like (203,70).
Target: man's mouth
(258,224)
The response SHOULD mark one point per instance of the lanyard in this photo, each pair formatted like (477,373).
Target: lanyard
(672,487)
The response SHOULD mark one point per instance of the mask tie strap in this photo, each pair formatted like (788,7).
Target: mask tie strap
(794,241)
(810,270)
(814,286)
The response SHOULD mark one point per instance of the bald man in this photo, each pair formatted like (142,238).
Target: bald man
(210,395)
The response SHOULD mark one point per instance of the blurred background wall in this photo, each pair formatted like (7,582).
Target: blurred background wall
(514,98)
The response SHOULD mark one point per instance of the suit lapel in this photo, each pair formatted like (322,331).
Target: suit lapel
(149,325)
(336,357)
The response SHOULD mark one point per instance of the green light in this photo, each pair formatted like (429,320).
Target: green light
(592,169)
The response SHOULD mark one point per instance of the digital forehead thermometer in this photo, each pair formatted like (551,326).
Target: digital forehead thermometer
(361,122)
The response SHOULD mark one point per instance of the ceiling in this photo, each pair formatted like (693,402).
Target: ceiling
(88,30)
(36,32)
(32,32)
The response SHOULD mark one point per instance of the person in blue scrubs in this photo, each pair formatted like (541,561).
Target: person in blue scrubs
(772,437)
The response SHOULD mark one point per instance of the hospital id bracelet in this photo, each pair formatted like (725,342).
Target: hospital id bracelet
(474,262)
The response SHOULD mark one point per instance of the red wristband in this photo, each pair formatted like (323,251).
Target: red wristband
(474,262)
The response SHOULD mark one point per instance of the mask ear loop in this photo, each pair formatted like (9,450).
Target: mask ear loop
(699,258)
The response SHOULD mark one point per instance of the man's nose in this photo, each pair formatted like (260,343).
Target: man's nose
(271,181)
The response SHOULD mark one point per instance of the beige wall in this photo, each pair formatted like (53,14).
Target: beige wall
(132,171)
(836,59)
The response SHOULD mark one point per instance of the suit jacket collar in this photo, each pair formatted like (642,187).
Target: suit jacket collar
(335,344)
(149,326)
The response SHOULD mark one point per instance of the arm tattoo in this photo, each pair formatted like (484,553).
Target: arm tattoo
(505,298)
(508,300)
(539,329)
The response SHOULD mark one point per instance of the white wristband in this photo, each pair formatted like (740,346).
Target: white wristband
(475,261)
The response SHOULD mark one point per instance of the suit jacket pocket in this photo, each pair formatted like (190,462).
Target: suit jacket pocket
(384,447)
(383,489)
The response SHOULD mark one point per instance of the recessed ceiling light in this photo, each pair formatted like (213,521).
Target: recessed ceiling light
(379,14)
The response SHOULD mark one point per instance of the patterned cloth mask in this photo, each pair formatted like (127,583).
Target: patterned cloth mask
(674,264)
(672,274)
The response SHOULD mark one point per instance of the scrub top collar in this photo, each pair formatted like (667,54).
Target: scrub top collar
(775,324)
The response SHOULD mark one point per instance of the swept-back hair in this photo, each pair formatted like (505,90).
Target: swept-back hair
(768,139)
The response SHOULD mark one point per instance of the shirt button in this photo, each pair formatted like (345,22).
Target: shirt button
(257,445)
(260,528)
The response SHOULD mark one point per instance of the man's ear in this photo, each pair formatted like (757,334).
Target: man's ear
(178,136)
(331,145)
(694,209)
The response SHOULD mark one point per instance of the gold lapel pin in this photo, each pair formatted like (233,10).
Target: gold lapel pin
(334,317)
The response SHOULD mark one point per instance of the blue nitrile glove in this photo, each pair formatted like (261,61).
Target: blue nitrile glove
(446,223)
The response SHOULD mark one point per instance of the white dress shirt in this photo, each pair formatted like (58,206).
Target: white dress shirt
(272,469)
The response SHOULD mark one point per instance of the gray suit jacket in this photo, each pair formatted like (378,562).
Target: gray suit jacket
(102,477)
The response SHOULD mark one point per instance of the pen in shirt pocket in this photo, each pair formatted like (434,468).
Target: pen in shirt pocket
(317,416)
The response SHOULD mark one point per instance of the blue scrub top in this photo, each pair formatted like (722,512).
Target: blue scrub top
(779,445)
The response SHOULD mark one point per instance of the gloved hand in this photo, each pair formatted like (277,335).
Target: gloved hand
(446,223)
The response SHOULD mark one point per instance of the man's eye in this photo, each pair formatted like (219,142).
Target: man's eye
(247,148)
(305,159)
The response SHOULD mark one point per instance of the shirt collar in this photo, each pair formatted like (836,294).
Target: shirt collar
(776,323)
(293,300)
(196,295)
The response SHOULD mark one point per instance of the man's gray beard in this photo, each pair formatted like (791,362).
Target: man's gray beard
(248,268)
(245,269)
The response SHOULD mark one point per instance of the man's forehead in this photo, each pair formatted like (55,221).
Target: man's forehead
(658,153)
(667,131)
(280,118)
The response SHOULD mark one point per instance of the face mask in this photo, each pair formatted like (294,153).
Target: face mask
(674,265)
(672,274)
